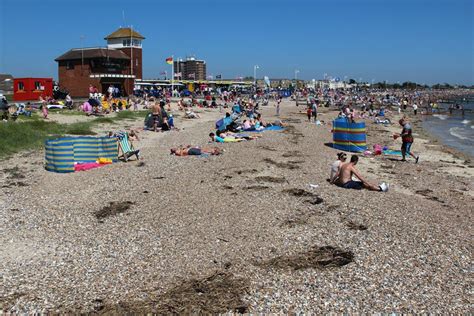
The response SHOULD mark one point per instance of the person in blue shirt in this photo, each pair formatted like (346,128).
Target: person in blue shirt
(216,138)
(236,108)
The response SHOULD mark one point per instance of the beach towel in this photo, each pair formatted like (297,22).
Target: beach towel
(230,140)
(87,166)
(392,152)
(268,128)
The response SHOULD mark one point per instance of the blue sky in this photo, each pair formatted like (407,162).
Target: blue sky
(393,40)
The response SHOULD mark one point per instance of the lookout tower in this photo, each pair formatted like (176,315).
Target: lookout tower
(128,41)
(117,65)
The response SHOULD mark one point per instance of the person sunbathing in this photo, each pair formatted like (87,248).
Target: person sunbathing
(195,151)
(347,170)
(267,124)
(236,135)
(258,126)
(219,139)
(191,115)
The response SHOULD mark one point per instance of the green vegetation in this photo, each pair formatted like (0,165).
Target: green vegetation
(103,120)
(31,132)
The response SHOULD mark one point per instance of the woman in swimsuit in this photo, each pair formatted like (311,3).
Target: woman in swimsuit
(194,151)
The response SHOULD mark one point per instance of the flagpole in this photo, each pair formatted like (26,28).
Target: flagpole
(131,50)
(172,75)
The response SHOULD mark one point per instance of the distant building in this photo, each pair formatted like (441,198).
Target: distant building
(26,89)
(118,64)
(190,69)
(275,83)
(6,84)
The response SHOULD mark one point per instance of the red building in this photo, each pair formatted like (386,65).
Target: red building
(118,64)
(29,89)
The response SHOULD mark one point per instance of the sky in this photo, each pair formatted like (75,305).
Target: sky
(394,40)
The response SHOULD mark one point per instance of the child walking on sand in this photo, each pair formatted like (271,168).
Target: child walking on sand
(44,107)
(278,106)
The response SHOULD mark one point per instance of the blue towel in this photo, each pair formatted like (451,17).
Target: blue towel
(392,152)
(269,128)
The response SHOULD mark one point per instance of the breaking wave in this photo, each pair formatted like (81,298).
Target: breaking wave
(440,116)
(459,132)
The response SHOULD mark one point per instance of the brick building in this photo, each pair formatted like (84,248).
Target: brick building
(118,64)
(190,69)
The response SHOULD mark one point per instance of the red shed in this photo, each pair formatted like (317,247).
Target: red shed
(32,88)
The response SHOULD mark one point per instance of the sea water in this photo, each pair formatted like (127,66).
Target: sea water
(456,130)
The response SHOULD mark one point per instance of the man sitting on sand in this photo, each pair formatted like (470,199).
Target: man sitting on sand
(195,151)
(347,170)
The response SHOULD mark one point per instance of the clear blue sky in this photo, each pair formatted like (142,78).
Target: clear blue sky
(393,40)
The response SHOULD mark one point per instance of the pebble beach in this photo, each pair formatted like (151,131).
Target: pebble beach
(257,229)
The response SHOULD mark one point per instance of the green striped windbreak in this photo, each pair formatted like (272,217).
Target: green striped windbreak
(62,153)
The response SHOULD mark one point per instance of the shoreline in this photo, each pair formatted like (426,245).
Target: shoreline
(448,149)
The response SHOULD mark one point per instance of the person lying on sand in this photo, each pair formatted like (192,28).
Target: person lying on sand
(236,135)
(347,170)
(195,151)
(218,139)
(191,115)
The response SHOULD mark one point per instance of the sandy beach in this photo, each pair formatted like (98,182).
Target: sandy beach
(241,232)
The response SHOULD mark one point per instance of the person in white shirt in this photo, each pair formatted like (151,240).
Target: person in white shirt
(415,108)
(68,102)
(110,90)
(341,157)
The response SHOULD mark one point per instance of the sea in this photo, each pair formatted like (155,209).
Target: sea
(456,130)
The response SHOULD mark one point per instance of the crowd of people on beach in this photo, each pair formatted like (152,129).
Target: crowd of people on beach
(243,116)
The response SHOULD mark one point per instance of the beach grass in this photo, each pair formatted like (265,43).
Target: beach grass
(122,115)
(30,133)
(103,120)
